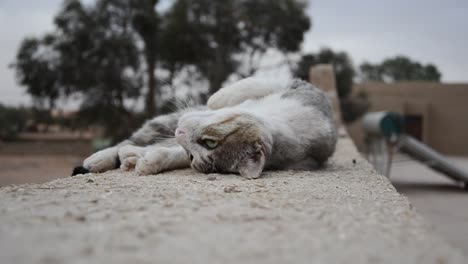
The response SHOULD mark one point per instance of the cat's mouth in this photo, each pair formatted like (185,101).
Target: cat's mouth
(201,166)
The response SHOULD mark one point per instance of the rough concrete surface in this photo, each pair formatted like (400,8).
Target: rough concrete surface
(440,200)
(345,213)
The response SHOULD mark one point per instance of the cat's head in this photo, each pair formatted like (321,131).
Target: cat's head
(224,141)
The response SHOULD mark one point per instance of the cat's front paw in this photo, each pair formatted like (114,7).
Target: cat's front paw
(129,155)
(129,163)
(102,160)
(153,162)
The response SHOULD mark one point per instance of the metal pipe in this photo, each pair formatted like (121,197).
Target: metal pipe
(432,158)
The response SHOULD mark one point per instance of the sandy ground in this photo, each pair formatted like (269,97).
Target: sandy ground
(345,213)
(19,169)
(436,197)
(39,161)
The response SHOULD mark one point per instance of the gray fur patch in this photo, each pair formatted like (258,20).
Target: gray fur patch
(159,128)
(309,95)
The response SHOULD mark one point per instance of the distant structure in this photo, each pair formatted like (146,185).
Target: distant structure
(323,76)
(434,113)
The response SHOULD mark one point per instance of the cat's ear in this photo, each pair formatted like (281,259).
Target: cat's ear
(251,167)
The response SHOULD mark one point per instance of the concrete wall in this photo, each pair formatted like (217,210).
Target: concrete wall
(342,213)
(443,108)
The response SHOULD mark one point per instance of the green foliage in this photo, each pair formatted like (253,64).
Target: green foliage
(145,21)
(100,60)
(352,107)
(98,52)
(399,68)
(210,33)
(42,116)
(92,53)
(105,51)
(342,65)
(12,121)
(36,69)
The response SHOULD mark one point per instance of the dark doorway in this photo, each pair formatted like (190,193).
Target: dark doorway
(414,126)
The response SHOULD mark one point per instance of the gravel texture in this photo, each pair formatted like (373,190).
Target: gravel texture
(345,213)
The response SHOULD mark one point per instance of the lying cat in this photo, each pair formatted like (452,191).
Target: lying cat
(247,127)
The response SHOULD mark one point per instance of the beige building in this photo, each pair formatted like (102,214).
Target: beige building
(435,113)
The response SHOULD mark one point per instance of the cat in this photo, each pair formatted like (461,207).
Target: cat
(247,127)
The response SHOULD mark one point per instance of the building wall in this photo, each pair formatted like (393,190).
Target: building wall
(443,108)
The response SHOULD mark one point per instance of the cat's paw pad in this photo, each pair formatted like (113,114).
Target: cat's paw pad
(153,162)
(129,163)
(102,160)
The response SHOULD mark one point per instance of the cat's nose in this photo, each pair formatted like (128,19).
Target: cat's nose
(179,132)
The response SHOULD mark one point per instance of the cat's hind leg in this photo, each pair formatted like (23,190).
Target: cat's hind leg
(242,90)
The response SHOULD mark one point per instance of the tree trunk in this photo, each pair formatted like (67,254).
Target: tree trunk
(215,84)
(150,102)
(218,73)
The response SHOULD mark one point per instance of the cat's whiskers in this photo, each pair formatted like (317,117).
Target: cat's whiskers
(163,137)
(179,103)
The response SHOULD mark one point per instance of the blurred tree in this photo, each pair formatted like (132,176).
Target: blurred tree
(12,121)
(399,68)
(145,21)
(268,24)
(209,34)
(100,60)
(342,65)
(102,51)
(370,72)
(302,68)
(93,53)
(205,35)
(181,43)
(36,69)
(352,107)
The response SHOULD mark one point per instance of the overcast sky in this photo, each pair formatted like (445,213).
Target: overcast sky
(433,31)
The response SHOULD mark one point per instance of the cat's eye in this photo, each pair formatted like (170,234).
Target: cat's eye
(210,144)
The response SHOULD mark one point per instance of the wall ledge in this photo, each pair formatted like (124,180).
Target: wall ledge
(345,213)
